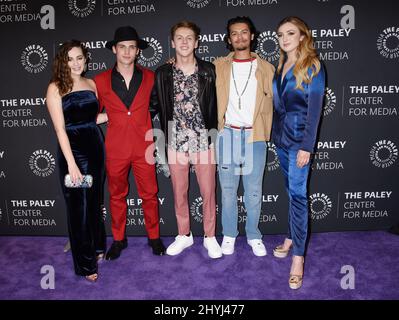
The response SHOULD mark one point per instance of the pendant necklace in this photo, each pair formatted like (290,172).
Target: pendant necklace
(235,84)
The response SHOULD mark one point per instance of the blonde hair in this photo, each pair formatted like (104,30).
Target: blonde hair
(306,54)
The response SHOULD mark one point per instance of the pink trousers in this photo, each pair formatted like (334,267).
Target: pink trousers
(205,170)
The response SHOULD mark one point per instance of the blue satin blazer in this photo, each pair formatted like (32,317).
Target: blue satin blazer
(297,112)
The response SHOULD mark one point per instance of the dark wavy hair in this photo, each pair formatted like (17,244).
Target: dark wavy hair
(61,73)
(252,30)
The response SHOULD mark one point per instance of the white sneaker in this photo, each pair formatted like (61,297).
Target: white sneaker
(258,248)
(228,245)
(214,250)
(180,243)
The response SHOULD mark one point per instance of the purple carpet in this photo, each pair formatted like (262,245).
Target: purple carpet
(138,274)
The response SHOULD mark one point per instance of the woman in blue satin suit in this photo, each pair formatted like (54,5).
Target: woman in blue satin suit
(298,91)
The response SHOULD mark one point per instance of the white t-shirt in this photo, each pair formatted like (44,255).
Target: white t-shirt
(244,116)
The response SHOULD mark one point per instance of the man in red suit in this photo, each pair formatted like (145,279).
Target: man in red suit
(125,92)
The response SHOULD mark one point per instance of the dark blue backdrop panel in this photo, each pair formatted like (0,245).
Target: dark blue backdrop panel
(353,183)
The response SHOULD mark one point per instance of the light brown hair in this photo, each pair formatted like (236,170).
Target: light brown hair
(185,24)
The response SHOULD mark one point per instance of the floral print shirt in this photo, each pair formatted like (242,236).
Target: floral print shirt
(188,129)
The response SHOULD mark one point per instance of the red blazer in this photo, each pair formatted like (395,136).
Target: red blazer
(126,130)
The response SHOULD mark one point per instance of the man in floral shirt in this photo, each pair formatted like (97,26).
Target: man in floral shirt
(186,100)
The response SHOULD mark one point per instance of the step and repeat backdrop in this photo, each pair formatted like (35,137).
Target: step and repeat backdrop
(354,181)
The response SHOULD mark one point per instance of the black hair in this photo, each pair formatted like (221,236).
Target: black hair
(252,30)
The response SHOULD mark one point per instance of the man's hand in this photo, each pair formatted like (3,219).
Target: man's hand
(171,60)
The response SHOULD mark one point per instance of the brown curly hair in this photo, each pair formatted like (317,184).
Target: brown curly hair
(61,73)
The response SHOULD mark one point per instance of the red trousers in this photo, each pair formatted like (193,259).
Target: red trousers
(118,187)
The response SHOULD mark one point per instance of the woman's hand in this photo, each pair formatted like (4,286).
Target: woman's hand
(102,118)
(302,158)
(74,172)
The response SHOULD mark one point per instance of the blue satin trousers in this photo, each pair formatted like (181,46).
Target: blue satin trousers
(296,184)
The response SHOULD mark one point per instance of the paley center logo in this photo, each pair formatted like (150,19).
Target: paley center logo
(196,209)
(320,206)
(21,13)
(84,11)
(273,163)
(197,4)
(329,102)
(104,212)
(2,174)
(42,163)
(34,58)
(383,154)
(94,45)
(151,56)
(267,47)
(388,43)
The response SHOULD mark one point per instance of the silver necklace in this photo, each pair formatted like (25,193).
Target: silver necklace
(235,84)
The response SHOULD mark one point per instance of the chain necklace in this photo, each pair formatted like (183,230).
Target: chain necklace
(235,84)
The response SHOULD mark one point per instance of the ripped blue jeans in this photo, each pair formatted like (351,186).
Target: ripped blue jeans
(236,158)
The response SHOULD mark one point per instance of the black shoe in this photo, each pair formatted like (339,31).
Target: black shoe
(157,246)
(116,248)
